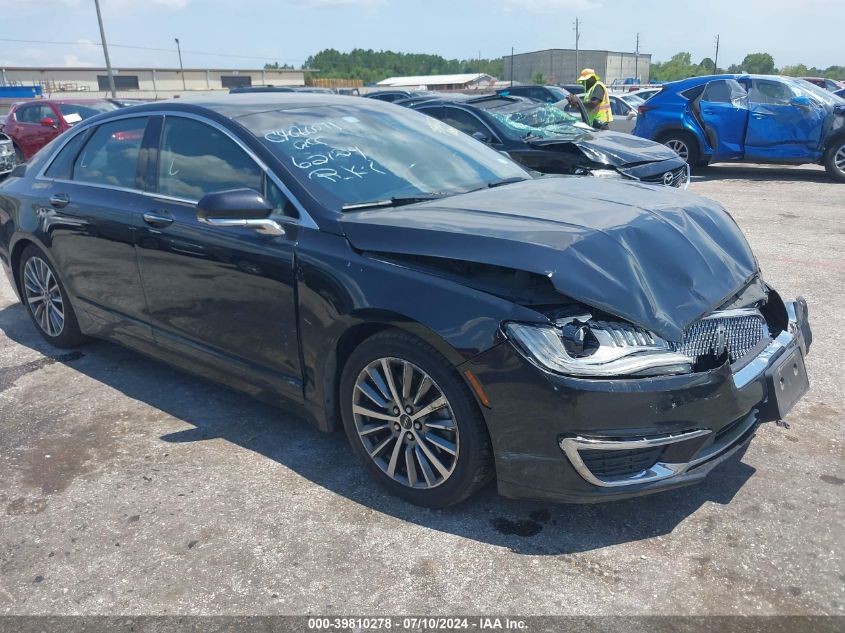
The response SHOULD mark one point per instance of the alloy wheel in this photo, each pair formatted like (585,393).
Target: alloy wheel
(43,296)
(405,423)
(679,147)
(839,159)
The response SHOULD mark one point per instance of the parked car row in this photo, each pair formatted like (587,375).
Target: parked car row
(372,268)
(545,138)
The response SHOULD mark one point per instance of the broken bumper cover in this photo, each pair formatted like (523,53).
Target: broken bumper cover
(574,440)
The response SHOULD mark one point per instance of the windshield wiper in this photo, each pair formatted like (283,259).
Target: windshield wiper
(498,183)
(396,201)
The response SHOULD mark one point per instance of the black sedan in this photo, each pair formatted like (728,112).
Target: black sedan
(373,268)
(549,140)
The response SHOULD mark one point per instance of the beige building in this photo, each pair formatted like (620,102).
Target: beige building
(563,65)
(143,82)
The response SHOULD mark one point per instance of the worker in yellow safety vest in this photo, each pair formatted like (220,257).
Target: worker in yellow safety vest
(596,99)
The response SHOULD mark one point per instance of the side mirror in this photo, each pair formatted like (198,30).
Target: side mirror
(480,136)
(632,114)
(238,208)
(801,101)
(48,122)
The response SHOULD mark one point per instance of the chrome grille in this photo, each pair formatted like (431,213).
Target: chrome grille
(674,178)
(738,331)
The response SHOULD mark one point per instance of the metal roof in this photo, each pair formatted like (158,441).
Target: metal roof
(433,80)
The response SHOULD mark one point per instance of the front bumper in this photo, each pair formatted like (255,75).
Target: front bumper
(575,440)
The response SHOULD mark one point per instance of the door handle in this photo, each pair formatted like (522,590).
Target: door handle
(158,218)
(59,200)
(757,115)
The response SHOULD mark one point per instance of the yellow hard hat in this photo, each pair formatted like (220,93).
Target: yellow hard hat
(587,73)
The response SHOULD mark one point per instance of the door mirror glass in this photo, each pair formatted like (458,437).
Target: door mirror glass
(48,122)
(233,204)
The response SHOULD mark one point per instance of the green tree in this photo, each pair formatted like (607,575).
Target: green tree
(758,64)
(796,70)
(373,66)
(680,66)
(706,66)
(538,78)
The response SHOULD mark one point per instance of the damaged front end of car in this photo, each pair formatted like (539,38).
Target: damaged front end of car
(616,156)
(651,350)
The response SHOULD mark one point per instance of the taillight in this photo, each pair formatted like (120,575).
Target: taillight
(642,109)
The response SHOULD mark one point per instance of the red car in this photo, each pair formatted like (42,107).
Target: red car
(33,124)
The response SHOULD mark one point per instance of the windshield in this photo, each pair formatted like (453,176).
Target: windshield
(539,120)
(347,154)
(815,92)
(76,112)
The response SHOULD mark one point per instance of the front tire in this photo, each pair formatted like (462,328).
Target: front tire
(46,300)
(834,160)
(683,144)
(413,421)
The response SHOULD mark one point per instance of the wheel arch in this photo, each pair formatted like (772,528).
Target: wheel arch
(15,253)
(368,323)
(836,137)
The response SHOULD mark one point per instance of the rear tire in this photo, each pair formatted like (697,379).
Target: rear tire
(433,460)
(46,300)
(834,160)
(683,144)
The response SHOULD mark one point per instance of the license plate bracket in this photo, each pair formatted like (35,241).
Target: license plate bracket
(788,382)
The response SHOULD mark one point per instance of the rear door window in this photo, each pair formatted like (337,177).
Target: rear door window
(62,165)
(110,157)
(724,91)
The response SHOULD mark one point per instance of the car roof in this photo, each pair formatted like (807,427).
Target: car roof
(233,106)
(59,101)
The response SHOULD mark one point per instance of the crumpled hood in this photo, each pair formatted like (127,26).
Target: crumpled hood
(614,148)
(658,257)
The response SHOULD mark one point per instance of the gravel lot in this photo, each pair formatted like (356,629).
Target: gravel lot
(129,487)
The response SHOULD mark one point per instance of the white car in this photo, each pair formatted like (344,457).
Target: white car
(624,115)
(645,93)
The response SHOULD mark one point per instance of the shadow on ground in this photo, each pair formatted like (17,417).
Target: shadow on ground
(215,412)
(760,173)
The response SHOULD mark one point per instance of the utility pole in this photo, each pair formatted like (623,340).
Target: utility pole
(109,71)
(511,66)
(637,60)
(181,68)
(577,39)
(716,61)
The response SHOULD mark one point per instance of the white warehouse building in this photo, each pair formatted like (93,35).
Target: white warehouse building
(142,82)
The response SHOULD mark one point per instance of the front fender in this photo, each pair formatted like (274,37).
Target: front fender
(344,296)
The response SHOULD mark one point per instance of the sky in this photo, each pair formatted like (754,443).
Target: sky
(248,33)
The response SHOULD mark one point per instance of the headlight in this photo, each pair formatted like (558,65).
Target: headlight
(605,173)
(581,346)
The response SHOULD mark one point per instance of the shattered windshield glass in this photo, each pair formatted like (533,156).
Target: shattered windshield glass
(541,121)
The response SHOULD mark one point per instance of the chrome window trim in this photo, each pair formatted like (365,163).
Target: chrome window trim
(305,218)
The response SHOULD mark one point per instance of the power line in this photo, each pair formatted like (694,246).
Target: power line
(147,48)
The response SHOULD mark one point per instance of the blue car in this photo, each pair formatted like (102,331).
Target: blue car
(748,118)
